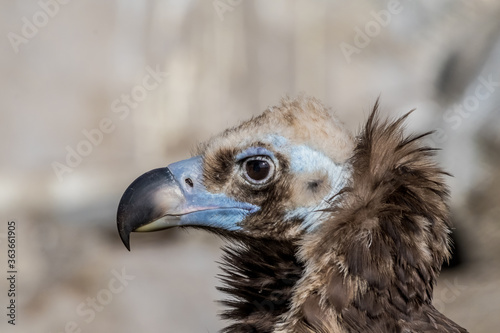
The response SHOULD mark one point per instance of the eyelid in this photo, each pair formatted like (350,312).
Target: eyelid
(243,161)
(254,151)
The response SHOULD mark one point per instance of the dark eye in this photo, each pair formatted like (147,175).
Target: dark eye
(258,169)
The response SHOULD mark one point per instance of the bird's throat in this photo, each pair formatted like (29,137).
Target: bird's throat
(259,275)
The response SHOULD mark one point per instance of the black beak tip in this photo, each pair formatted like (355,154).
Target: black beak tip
(124,234)
(126,240)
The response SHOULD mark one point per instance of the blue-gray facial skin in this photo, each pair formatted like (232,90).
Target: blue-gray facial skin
(176,195)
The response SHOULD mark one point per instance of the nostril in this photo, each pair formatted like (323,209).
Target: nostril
(189,182)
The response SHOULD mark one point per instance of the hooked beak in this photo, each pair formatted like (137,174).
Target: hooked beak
(175,196)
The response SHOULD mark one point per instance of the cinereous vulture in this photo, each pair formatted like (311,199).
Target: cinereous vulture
(326,232)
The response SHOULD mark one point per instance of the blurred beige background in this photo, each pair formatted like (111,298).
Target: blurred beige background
(94,93)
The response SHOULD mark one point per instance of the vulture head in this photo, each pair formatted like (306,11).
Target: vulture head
(326,232)
(264,178)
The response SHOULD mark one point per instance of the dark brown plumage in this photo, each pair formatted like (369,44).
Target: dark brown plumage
(260,275)
(376,260)
(363,258)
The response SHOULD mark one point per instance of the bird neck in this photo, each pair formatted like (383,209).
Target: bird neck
(372,265)
(259,275)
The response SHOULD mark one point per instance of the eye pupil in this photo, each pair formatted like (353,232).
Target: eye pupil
(257,169)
